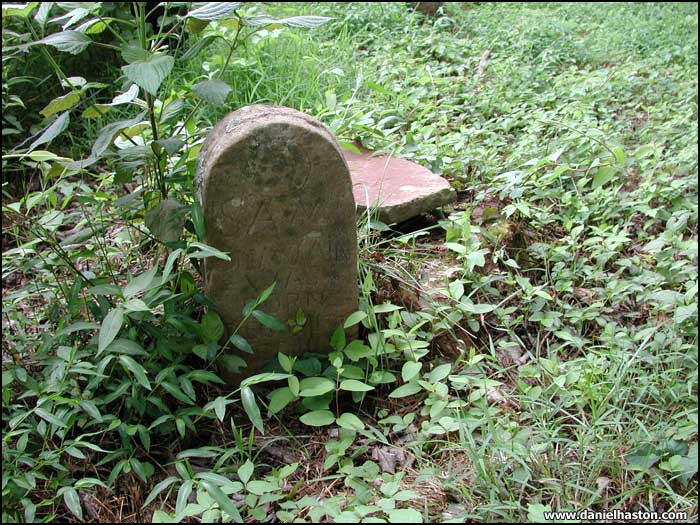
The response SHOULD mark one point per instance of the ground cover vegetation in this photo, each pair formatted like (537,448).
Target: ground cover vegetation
(532,349)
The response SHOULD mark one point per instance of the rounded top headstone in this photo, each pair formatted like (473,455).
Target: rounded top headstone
(276,196)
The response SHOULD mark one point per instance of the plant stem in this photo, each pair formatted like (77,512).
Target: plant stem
(232,48)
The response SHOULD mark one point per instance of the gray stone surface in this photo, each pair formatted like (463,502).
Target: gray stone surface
(397,188)
(276,196)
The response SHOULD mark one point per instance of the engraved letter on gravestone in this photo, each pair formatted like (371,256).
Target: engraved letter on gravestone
(276,196)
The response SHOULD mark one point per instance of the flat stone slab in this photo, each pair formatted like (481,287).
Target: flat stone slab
(399,189)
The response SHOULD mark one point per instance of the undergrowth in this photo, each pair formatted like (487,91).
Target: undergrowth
(532,349)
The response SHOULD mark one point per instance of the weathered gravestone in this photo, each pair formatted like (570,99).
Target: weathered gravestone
(427,8)
(276,196)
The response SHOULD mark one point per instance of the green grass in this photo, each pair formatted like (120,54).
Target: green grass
(555,347)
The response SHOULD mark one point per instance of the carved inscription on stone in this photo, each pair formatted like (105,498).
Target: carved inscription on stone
(276,196)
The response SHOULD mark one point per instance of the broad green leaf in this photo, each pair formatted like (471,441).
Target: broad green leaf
(149,73)
(160,516)
(201,452)
(379,89)
(139,372)
(266,293)
(477,308)
(318,418)
(94,447)
(140,283)
(405,516)
(206,251)
(132,53)
(72,42)
(171,146)
(72,501)
(53,130)
(535,512)
(197,219)
(263,378)
(251,408)
(353,385)
(91,409)
(406,390)
(90,482)
(169,265)
(142,469)
(385,308)
(357,350)
(269,321)
(475,259)
(145,437)
(80,82)
(241,343)
(172,109)
(459,248)
(603,174)
(48,416)
(225,504)
(221,481)
(350,421)
(76,12)
(260,487)
(111,325)
(286,363)
(293,383)
(183,495)
(220,408)
(409,370)
(122,345)
(136,305)
(212,326)
(214,10)
(456,289)
(354,318)
(204,351)
(196,26)
(180,425)
(439,373)
(684,312)
(166,220)
(94,26)
(338,338)
(307,22)
(61,104)
(245,471)
(315,386)
(213,91)
(619,155)
(29,510)
(107,134)
(349,146)
(160,487)
(175,391)
(198,47)
(20,10)
(642,458)
(77,327)
(666,297)
(279,399)
(80,237)
(44,156)
(204,376)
